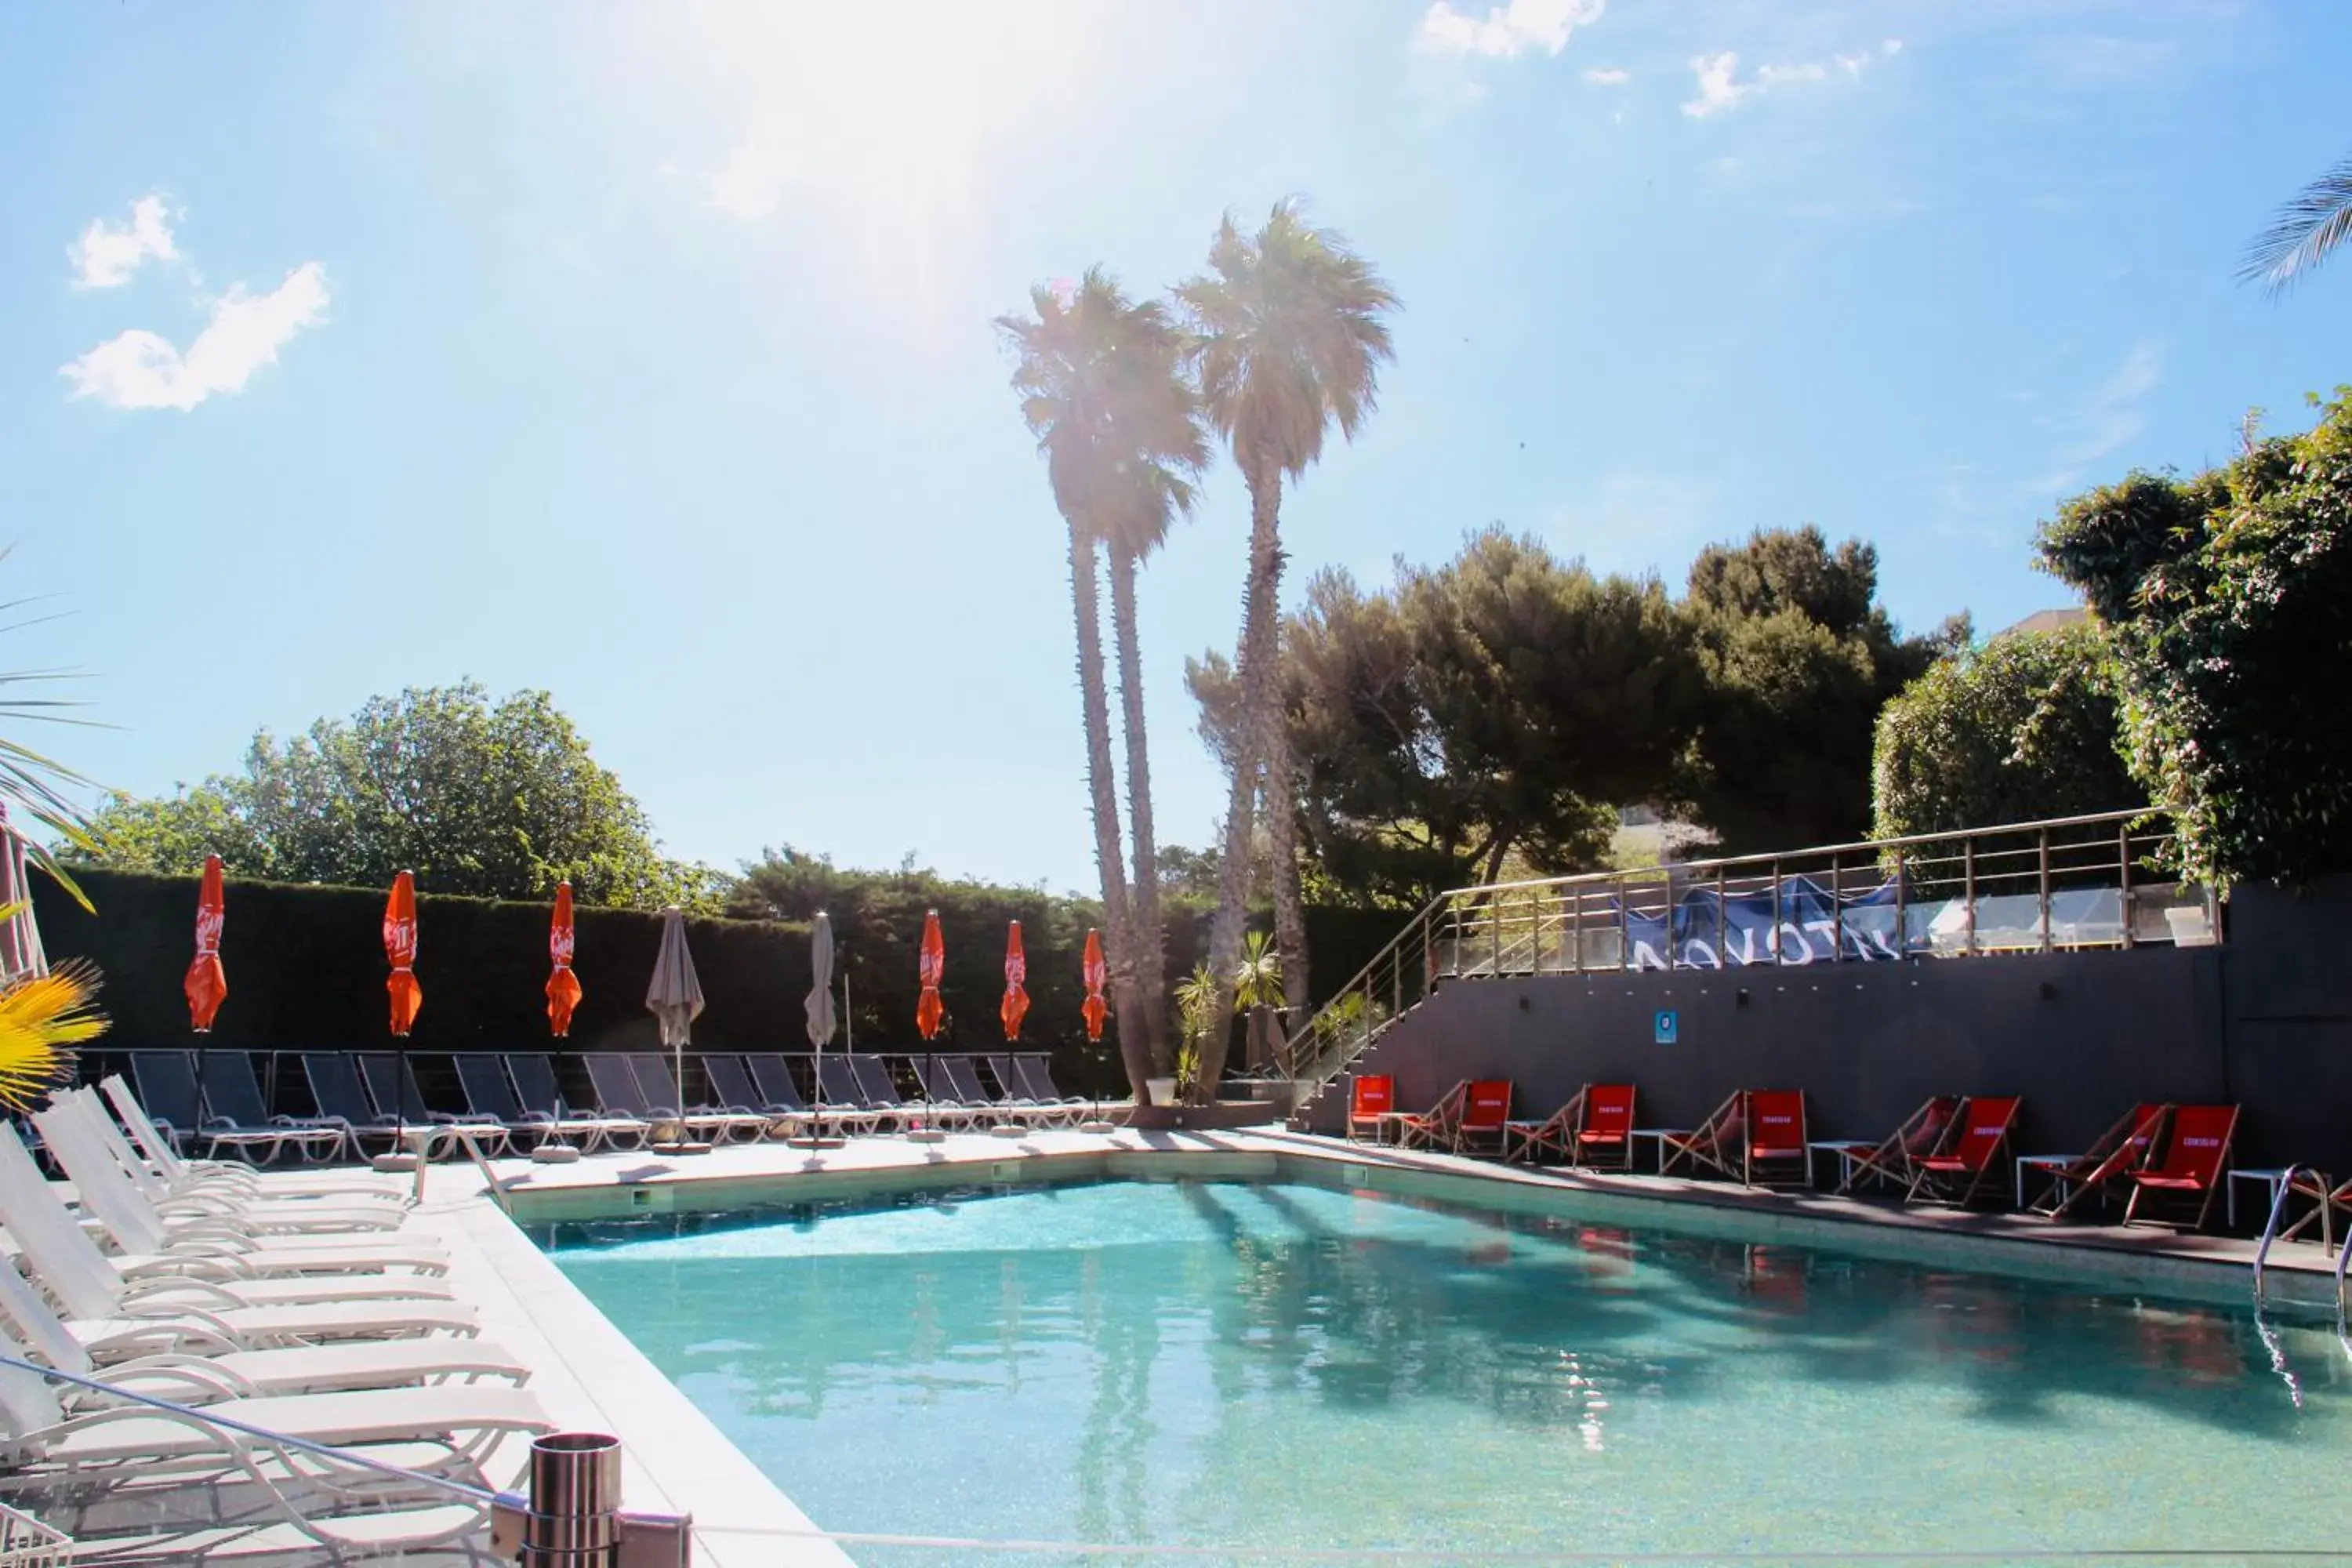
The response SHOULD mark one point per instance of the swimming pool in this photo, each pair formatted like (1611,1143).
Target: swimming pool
(1281,1363)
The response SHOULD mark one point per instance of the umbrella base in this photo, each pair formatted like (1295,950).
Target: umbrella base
(554,1154)
(925,1135)
(1105,1127)
(681,1148)
(391,1163)
(1009,1130)
(814,1142)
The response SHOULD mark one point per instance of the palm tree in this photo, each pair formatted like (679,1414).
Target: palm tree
(1100,388)
(1165,491)
(1292,334)
(2305,232)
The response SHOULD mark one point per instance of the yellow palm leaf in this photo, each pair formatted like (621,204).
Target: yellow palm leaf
(41,1020)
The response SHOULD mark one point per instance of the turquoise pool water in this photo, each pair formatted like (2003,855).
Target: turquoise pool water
(1277,1364)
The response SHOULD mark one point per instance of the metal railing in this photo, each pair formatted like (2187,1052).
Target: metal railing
(2062,885)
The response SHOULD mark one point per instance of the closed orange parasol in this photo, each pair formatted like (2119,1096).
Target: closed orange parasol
(1097,972)
(929,1010)
(207,983)
(562,986)
(400,948)
(1016,1005)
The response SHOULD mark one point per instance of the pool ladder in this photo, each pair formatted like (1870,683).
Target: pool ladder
(2271,1230)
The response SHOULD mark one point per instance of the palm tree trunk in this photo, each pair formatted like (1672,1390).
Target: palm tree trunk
(1261,719)
(1282,832)
(1109,860)
(1150,942)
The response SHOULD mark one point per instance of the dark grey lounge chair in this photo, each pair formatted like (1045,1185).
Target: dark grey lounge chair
(773,1076)
(334,1079)
(542,1100)
(945,1102)
(662,1092)
(731,1085)
(392,1080)
(211,1117)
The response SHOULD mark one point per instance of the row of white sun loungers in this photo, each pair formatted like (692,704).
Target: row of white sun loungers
(303,1311)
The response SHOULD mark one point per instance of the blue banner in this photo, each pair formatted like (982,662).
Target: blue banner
(1803,924)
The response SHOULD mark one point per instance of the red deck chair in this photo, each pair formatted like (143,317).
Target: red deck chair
(1758,1137)
(1973,1155)
(2112,1157)
(1370,1100)
(1484,1118)
(1776,1153)
(2195,1157)
(1439,1126)
(1720,1141)
(1527,1142)
(1604,1138)
(1594,1130)
(1897,1159)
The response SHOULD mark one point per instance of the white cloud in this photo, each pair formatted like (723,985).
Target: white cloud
(1507,31)
(142,370)
(1611,77)
(1717,93)
(2103,421)
(106,256)
(1720,91)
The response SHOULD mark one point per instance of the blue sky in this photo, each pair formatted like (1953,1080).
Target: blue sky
(642,352)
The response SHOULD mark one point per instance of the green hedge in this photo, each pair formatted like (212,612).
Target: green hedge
(306,970)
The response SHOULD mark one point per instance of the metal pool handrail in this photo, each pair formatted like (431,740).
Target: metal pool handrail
(2270,1234)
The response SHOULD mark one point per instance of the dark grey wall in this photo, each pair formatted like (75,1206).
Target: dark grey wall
(2265,1022)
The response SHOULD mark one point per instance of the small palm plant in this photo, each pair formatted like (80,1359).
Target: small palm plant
(1196,1015)
(42,1018)
(1258,979)
(45,1012)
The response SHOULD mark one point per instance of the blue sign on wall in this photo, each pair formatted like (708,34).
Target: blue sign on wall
(1667,1026)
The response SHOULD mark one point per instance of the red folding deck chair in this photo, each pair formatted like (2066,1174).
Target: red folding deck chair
(1604,1138)
(1593,1130)
(1527,1141)
(2195,1157)
(1370,1100)
(1485,1114)
(1776,1153)
(1757,1136)
(2112,1157)
(1972,1156)
(1438,1126)
(1896,1160)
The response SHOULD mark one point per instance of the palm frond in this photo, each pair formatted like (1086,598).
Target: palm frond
(2303,233)
(42,1019)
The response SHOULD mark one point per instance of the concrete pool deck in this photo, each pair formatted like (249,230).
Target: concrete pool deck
(590,1377)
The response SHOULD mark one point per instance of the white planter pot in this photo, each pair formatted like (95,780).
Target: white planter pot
(1163,1090)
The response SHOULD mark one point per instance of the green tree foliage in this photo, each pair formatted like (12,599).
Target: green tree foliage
(1482,713)
(2228,600)
(2314,224)
(493,800)
(2024,727)
(1798,659)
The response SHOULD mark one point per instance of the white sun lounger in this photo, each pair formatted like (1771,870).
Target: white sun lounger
(261,1213)
(197,1379)
(449,1429)
(220,1200)
(94,1287)
(184,1175)
(255,1275)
